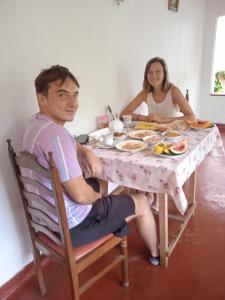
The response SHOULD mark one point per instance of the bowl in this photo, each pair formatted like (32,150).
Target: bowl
(172,135)
(119,135)
(151,140)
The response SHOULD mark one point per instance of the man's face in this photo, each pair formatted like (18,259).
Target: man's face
(61,102)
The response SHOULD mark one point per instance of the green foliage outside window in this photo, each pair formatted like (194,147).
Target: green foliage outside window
(219,84)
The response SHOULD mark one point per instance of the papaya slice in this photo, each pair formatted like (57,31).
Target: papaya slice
(200,124)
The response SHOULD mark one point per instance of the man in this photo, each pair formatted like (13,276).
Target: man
(91,215)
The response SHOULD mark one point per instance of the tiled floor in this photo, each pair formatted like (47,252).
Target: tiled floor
(196,269)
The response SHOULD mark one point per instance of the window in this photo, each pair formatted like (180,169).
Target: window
(218,74)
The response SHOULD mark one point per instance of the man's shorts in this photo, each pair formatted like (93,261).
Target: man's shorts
(106,216)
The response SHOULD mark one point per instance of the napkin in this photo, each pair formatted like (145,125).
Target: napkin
(96,135)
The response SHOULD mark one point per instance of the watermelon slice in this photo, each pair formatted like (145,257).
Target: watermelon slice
(179,148)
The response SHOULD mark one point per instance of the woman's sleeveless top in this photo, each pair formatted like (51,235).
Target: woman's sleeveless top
(163,109)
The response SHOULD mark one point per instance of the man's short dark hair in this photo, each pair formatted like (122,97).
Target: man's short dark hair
(47,76)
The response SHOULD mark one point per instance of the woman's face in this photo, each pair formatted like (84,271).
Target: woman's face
(155,74)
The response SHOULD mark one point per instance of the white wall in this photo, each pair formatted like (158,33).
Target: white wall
(107,47)
(212,107)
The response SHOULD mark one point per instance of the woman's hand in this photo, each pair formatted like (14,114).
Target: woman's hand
(155,118)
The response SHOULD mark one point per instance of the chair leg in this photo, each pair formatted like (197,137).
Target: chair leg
(38,270)
(124,263)
(74,284)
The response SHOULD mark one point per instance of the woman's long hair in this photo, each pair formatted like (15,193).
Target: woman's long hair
(166,85)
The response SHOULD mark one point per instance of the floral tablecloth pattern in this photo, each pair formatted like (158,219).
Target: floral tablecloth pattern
(147,172)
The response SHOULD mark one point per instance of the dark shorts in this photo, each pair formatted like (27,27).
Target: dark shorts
(106,216)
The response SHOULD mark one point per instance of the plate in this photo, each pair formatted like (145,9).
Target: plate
(104,146)
(168,155)
(131,146)
(168,146)
(140,134)
(146,125)
(195,124)
(206,128)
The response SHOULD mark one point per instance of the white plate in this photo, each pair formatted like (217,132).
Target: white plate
(207,128)
(135,146)
(104,146)
(140,134)
(168,155)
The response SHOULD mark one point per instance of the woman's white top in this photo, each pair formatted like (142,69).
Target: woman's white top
(166,108)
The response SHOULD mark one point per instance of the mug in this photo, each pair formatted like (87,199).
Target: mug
(108,139)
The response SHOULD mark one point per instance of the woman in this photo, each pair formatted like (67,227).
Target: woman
(164,100)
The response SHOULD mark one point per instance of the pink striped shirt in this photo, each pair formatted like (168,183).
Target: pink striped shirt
(42,135)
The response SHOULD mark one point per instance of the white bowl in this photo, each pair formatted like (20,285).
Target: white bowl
(119,135)
(151,140)
(172,135)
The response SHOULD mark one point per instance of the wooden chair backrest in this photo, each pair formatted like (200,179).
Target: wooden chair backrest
(38,210)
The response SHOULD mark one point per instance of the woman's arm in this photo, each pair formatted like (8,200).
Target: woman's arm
(181,101)
(135,103)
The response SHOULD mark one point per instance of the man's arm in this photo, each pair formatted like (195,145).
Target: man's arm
(80,191)
(92,162)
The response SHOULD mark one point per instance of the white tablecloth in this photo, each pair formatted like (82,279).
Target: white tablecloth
(147,172)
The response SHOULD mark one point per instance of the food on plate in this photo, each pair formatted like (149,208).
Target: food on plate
(146,125)
(171,134)
(199,124)
(140,134)
(171,149)
(179,148)
(159,148)
(164,128)
(179,125)
(119,133)
(152,139)
(132,146)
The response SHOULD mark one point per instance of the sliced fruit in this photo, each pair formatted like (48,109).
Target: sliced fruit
(166,150)
(158,149)
(162,148)
(179,148)
(162,145)
(199,124)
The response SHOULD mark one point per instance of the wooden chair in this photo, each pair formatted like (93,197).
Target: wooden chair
(53,239)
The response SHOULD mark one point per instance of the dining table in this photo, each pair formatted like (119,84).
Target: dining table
(163,175)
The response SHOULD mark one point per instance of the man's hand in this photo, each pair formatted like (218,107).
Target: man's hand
(90,161)
(92,164)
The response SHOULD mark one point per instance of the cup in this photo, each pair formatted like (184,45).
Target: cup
(108,139)
(127,120)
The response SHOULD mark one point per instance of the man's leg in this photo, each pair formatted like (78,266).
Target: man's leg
(145,222)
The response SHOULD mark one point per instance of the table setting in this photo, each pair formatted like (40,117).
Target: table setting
(158,158)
